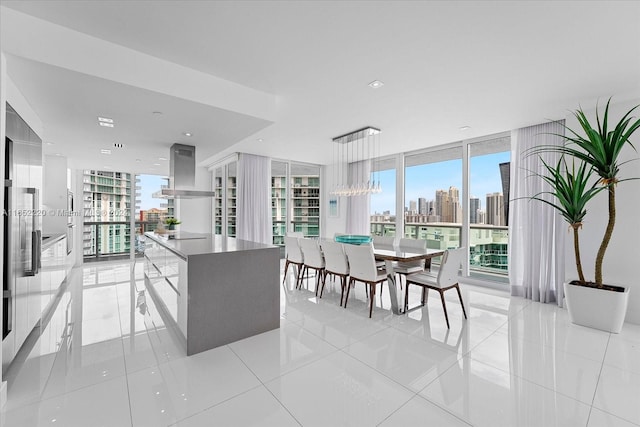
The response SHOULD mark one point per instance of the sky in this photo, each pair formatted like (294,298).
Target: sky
(424,180)
(150,184)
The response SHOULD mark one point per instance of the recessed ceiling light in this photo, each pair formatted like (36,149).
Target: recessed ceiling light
(105,120)
(187,133)
(105,151)
(376,84)
(118,145)
(58,154)
(107,167)
(49,143)
(107,125)
(465,127)
(260,140)
(162,158)
(157,164)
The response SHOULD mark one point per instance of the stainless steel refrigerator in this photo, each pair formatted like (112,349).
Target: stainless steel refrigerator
(22,221)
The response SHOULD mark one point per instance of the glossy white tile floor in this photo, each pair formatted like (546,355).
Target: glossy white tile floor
(107,359)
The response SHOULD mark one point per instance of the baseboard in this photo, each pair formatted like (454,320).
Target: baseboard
(3,394)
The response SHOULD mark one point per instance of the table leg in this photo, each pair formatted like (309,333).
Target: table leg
(396,308)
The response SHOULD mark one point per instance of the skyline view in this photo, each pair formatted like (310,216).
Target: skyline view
(424,180)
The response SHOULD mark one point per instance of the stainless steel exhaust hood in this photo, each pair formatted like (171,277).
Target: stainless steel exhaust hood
(182,175)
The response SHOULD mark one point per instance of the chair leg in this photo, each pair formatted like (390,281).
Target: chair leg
(351,282)
(299,276)
(425,295)
(343,284)
(324,280)
(461,303)
(372,299)
(286,268)
(305,269)
(444,307)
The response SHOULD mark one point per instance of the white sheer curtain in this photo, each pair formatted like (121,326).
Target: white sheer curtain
(253,199)
(537,232)
(358,211)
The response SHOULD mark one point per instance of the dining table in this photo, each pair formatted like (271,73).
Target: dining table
(391,254)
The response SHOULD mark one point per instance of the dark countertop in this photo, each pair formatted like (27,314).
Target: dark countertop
(50,239)
(189,244)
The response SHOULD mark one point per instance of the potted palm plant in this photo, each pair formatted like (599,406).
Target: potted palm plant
(594,304)
(171,223)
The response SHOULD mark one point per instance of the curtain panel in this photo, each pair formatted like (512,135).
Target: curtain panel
(358,207)
(253,199)
(537,232)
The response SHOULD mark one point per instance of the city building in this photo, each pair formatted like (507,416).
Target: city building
(422,206)
(474,208)
(495,209)
(106,198)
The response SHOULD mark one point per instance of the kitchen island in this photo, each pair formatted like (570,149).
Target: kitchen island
(216,289)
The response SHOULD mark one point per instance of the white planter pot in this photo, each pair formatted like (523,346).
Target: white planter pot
(596,308)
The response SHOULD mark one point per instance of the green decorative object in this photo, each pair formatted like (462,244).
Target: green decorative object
(353,239)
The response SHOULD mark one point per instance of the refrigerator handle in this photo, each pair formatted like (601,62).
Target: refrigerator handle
(36,235)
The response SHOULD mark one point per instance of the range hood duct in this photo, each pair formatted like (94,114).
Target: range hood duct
(182,175)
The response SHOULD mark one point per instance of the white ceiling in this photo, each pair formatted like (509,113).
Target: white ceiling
(494,66)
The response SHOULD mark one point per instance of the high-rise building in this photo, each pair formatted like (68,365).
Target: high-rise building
(505,170)
(495,209)
(305,205)
(456,208)
(443,205)
(482,217)
(413,207)
(474,207)
(106,198)
(422,206)
(153,217)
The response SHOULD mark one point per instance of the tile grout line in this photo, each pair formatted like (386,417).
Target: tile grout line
(595,391)
(264,385)
(124,361)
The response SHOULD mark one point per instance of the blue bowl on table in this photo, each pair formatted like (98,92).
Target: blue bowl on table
(353,239)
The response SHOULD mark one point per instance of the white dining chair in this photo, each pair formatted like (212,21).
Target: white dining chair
(293,256)
(335,263)
(383,241)
(313,260)
(408,267)
(362,268)
(447,278)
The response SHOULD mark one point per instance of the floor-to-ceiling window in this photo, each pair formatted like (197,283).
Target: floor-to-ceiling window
(295,199)
(279,200)
(383,204)
(107,214)
(489,162)
(433,197)
(305,199)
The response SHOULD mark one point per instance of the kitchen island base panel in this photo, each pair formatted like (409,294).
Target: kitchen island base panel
(238,296)
(214,290)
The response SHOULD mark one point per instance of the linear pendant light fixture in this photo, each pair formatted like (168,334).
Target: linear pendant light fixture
(354,150)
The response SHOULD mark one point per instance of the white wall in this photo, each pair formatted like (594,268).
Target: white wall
(622,256)
(331,225)
(195,214)
(54,195)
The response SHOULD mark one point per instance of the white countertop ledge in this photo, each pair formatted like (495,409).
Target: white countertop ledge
(205,244)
